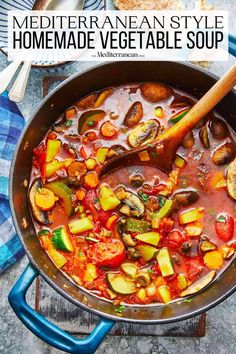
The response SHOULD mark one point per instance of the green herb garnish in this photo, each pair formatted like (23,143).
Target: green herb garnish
(161,201)
(221,218)
(90,123)
(188,300)
(68,123)
(150,271)
(144,196)
(96,200)
(120,309)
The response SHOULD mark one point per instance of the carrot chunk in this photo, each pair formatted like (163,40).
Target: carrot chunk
(44,199)
(108,130)
(213,260)
(91,180)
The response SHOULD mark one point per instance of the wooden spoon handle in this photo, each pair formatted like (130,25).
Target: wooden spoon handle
(201,108)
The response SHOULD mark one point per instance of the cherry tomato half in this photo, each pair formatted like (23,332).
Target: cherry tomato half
(108,254)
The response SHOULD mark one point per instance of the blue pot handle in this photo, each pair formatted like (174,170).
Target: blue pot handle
(232,44)
(47,331)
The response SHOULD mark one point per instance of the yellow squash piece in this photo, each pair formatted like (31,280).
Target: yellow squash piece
(190,216)
(53,148)
(152,238)
(164,261)
(55,165)
(90,273)
(108,199)
(57,258)
(164,292)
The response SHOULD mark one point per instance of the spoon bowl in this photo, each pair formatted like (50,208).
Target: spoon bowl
(58,5)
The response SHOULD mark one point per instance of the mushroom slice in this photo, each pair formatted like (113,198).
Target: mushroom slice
(231,179)
(134,115)
(40,216)
(144,133)
(224,154)
(199,284)
(135,204)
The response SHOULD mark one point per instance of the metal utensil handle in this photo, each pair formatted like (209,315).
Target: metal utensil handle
(47,331)
(17,91)
(7,74)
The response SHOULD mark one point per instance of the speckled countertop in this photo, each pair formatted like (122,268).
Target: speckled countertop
(220,335)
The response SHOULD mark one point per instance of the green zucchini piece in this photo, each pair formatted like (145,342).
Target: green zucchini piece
(130,269)
(152,238)
(121,285)
(61,190)
(164,261)
(177,117)
(80,225)
(165,210)
(164,292)
(88,120)
(61,240)
(147,252)
(135,225)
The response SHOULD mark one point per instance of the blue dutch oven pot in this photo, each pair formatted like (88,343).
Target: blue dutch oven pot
(184,76)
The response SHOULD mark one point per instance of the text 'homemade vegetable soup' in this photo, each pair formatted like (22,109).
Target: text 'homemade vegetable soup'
(136,236)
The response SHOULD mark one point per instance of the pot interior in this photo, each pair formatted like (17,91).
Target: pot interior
(182,76)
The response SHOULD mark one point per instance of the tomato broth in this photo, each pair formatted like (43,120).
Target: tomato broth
(137,236)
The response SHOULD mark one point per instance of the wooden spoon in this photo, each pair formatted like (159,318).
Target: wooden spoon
(161,152)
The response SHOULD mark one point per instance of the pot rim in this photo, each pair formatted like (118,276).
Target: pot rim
(45,276)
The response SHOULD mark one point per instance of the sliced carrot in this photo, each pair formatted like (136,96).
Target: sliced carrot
(108,130)
(44,199)
(80,194)
(83,152)
(77,168)
(213,260)
(111,222)
(91,136)
(91,180)
(194,229)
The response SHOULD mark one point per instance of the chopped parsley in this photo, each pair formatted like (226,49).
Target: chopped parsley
(120,309)
(161,201)
(221,218)
(188,300)
(150,271)
(68,123)
(144,196)
(90,123)
(96,200)
(40,190)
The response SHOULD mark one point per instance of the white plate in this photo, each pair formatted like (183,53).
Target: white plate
(7,5)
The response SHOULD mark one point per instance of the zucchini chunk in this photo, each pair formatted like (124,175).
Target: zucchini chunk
(61,240)
(152,238)
(164,261)
(121,285)
(81,225)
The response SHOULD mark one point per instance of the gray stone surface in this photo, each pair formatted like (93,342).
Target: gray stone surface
(221,321)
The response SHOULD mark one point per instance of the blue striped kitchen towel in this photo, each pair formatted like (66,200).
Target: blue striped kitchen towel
(11,124)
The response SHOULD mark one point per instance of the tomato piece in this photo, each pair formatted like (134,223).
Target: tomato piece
(89,201)
(175,239)
(224,226)
(108,254)
(103,216)
(194,267)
